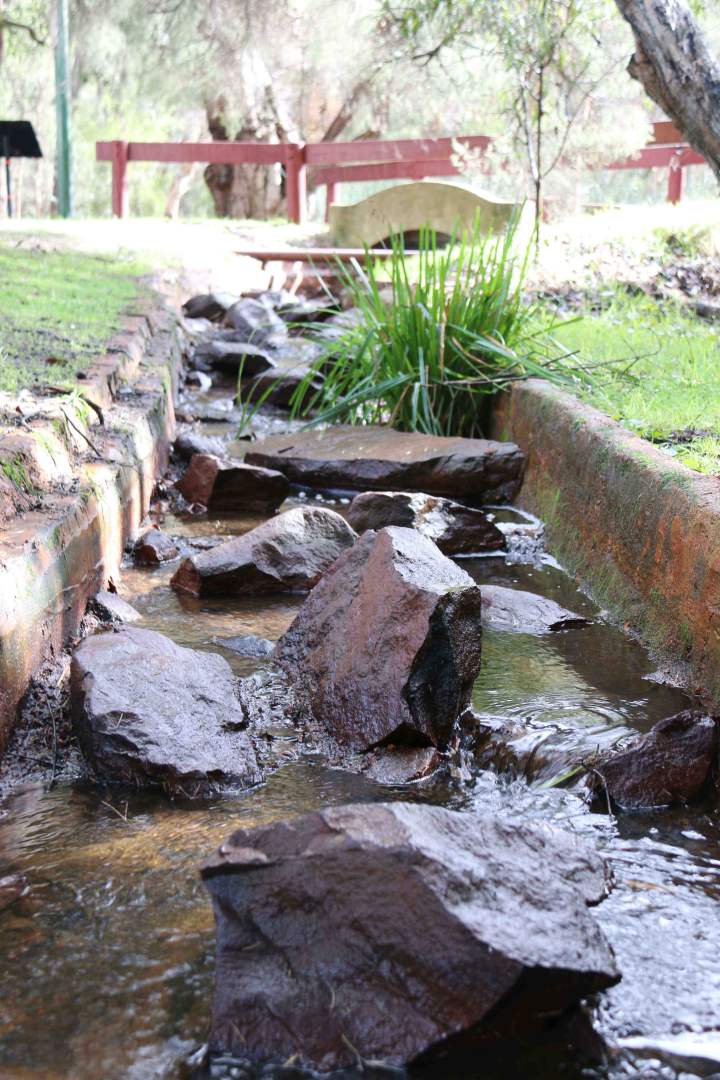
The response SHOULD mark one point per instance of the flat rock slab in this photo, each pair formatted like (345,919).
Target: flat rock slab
(671,764)
(387,646)
(189,443)
(382,459)
(149,712)
(112,608)
(522,612)
(232,487)
(456,529)
(401,933)
(289,553)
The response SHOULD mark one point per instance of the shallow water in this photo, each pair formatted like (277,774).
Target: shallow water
(106,965)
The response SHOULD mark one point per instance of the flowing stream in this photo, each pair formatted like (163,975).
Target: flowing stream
(106,965)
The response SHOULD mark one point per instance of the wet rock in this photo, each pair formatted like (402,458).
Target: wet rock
(231,356)
(147,711)
(525,613)
(247,645)
(381,459)
(387,645)
(109,607)
(192,442)
(671,764)
(255,321)
(232,487)
(402,764)
(211,306)
(296,310)
(153,548)
(289,553)
(12,887)
(693,1052)
(400,933)
(456,529)
(292,364)
(199,380)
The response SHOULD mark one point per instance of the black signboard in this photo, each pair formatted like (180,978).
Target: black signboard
(17,139)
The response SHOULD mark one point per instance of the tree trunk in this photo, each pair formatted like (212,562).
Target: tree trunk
(673,62)
(243,191)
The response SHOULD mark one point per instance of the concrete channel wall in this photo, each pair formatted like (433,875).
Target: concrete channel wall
(640,529)
(54,558)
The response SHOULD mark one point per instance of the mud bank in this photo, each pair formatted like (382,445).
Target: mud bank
(639,529)
(90,462)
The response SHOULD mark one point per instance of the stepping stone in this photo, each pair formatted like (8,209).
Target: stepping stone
(456,529)
(380,458)
(226,487)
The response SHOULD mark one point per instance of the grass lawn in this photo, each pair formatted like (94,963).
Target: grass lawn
(57,309)
(667,386)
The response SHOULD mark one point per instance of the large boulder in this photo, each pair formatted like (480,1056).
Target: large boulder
(382,459)
(456,529)
(523,612)
(232,487)
(671,764)
(289,553)
(400,934)
(387,645)
(149,712)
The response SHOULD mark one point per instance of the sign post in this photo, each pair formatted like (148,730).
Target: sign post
(62,103)
(17,139)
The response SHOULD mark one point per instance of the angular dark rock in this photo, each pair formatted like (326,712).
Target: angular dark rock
(232,487)
(112,608)
(381,459)
(231,356)
(400,933)
(255,321)
(671,764)
(292,361)
(297,310)
(387,645)
(525,613)
(192,442)
(289,553)
(153,548)
(456,529)
(211,306)
(147,711)
(247,645)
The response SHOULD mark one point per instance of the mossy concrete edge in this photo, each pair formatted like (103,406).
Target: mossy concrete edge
(52,563)
(639,529)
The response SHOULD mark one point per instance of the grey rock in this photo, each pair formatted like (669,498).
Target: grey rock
(112,608)
(212,306)
(247,645)
(289,553)
(456,529)
(149,712)
(523,612)
(400,933)
(192,442)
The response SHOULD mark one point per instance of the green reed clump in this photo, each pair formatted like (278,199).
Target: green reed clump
(436,334)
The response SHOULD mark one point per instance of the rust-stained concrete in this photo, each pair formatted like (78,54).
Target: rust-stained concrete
(55,556)
(642,530)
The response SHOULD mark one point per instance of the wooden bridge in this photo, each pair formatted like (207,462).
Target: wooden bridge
(345,162)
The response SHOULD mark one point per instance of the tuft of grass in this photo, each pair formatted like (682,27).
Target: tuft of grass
(436,335)
(57,310)
(662,381)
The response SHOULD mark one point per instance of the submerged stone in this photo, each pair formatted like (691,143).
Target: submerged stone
(456,529)
(153,548)
(382,459)
(247,645)
(671,764)
(289,553)
(232,487)
(149,712)
(387,645)
(525,613)
(400,933)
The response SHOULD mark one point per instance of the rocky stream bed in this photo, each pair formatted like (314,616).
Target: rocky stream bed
(434,846)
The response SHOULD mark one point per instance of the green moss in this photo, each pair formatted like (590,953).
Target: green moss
(15,470)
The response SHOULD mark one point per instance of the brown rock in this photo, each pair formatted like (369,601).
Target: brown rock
(232,488)
(671,764)
(456,529)
(153,548)
(401,933)
(381,459)
(289,553)
(12,887)
(525,613)
(149,712)
(387,645)
(402,764)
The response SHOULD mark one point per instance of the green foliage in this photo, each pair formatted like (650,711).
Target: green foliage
(450,328)
(57,310)
(663,383)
